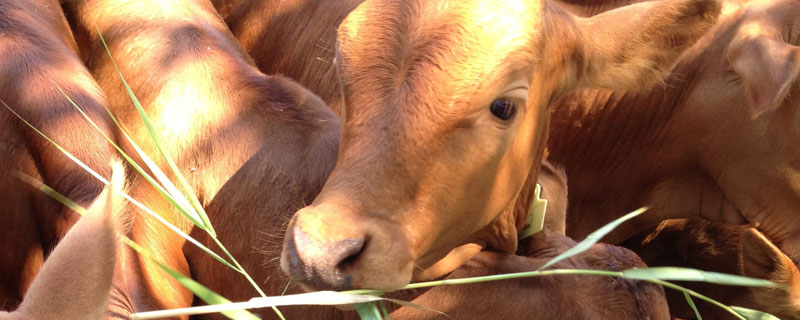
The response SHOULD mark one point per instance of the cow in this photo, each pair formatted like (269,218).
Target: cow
(260,153)
(75,281)
(39,65)
(733,249)
(445,115)
(301,126)
(715,140)
(254,148)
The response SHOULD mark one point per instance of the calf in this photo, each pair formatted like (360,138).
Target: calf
(444,126)
(253,147)
(698,243)
(39,65)
(546,297)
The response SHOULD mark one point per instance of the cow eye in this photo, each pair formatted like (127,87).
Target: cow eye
(504,109)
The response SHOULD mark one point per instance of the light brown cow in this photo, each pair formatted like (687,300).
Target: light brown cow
(445,114)
(717,140)
(37,57)
(75,280)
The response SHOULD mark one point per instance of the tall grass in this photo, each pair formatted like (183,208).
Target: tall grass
(368,304)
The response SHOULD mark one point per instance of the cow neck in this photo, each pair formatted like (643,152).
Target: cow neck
(604,128)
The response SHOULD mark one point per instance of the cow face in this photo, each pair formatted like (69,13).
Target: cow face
(445,119)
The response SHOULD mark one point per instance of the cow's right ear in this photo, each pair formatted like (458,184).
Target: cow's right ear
(767,68)
(635,46)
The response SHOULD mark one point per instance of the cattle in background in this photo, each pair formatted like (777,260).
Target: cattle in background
(37,57)
(701,244)
(253,147)
(279,112)
(265,27)
(716,140)
(444,126)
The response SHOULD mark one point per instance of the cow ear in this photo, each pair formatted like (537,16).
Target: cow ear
(635,46)
(767,68)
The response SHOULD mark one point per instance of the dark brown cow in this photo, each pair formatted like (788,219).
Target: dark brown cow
(547,297)
(37,57)
(698,243)
(444,121)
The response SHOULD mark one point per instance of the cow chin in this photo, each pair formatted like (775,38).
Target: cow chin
(454,259)
(326,250)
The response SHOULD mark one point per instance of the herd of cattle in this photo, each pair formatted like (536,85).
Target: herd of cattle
(369,144)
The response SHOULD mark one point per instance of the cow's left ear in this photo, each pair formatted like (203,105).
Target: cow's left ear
(767,68)
(635,46)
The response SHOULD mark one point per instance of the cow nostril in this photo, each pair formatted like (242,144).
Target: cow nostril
(347,252)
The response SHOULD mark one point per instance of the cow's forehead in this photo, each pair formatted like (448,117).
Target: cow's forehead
(416,44)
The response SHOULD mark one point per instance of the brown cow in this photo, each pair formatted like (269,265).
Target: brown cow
(546,297)
(271,169)
(75,280)
(444,122)
(716,140)
(37,57)
(254,147)
(698,243)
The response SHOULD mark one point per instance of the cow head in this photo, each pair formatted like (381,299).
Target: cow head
(445,121)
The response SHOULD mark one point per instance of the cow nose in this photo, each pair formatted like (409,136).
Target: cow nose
(322,265)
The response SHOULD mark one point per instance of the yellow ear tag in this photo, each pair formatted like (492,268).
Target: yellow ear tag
(535,221)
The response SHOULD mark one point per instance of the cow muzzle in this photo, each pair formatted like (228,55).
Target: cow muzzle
(329,251)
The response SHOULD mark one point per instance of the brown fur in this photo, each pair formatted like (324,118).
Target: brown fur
(253,147)
(546,297)
(697,145)
(720,247)
(38,56)
(416,85)
(294,38)
(715,141)
(75,280)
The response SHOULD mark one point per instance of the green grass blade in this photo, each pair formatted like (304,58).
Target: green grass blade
(327,298)
(77,208)
(686,274)
(751,314)
(105,181)
(592,238)
(201,291)
(50,192)
(384,311)
(368,311)
(174,197)
(691,305)
(188,192)
(208,295)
